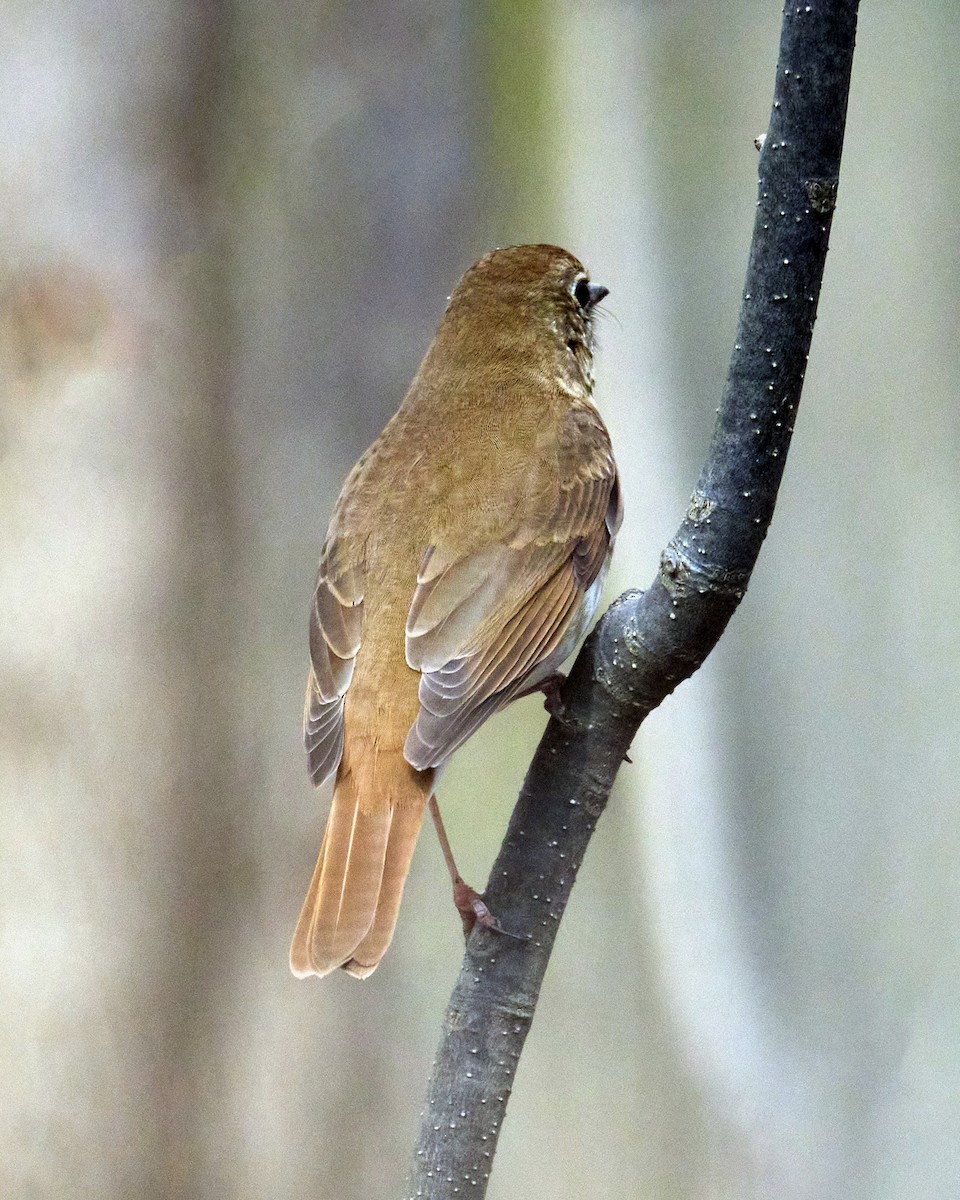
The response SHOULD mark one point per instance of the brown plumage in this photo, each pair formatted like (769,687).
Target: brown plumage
(462,564)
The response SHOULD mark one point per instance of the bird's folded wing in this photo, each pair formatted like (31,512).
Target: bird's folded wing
(481,625)
(335,619)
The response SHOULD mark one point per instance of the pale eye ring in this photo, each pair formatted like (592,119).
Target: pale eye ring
(582,293)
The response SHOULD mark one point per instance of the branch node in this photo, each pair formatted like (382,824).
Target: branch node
(682,576)
(822,194)
(700,507)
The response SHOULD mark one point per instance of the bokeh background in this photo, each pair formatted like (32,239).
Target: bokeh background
(227,232)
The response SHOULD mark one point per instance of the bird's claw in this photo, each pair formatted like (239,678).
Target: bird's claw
(474,912)
(551,695)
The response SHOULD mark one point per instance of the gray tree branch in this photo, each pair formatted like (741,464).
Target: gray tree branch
(649,642)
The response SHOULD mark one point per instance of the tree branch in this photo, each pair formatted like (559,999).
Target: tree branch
(649,642)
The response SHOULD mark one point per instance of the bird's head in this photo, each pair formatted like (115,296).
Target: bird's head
(523,301)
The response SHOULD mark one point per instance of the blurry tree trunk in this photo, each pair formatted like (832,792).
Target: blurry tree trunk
(163,317)
(116,543)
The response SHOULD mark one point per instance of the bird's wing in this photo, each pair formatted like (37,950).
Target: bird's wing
(335,619)
(481,625)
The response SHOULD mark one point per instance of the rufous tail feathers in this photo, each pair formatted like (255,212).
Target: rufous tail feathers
(350,912)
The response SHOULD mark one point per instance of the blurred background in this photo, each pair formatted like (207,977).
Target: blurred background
(227,232)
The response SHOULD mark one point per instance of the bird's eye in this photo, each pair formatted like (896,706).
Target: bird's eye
(582,293)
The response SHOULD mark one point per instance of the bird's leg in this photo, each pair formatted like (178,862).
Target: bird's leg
(551,693)
(469,902)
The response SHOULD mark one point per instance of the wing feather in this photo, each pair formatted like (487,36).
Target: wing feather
(484,625)
(336,619)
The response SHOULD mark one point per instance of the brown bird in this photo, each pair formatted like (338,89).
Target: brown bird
(462,565)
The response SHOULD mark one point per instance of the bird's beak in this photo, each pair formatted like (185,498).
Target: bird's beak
(597,293)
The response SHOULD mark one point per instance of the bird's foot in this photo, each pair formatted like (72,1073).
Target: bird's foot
(551,693)
(473,911)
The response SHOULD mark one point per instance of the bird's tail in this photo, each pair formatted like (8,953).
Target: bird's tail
(350,912)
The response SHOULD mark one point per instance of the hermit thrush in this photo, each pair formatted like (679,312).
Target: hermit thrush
(462,565)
